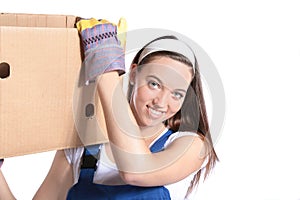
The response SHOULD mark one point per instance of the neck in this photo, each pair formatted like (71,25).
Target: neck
(151,132)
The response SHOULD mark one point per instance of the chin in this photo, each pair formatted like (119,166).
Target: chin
(152,123)
(146,124)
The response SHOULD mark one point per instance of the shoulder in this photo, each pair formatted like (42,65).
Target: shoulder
(190,140)
(180,134)
(197,141)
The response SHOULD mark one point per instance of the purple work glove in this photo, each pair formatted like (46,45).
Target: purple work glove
(102,49)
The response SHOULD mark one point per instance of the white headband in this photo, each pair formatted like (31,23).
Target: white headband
(171,45)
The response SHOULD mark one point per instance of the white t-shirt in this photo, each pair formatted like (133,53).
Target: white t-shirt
(108,174)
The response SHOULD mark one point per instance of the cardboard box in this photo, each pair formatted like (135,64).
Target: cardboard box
(44,104)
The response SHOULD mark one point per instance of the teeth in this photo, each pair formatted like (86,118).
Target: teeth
(155,112)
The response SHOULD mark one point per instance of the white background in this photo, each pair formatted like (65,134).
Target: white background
(255,46)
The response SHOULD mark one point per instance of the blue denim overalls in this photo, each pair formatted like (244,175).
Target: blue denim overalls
(85,189)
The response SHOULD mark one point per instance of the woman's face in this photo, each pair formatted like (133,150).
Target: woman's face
(159,89)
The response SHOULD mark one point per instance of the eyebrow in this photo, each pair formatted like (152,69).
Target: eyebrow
(160,82)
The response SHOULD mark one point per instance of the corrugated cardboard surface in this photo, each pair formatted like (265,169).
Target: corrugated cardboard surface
(37,99)
(33,20)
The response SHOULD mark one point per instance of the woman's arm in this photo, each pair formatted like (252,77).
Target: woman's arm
(58,181)
(5,192)
(137,165)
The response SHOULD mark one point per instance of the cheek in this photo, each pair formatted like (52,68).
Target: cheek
(175,106)
(141,95)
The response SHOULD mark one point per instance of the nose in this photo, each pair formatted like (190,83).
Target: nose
(161,98)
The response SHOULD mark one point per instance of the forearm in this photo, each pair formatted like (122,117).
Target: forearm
(58,180)
(5,192)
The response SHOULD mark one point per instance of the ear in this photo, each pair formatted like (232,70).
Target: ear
(132,74)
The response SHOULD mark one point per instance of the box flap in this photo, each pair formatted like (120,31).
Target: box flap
(35,20)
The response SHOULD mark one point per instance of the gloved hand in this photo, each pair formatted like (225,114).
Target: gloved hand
(1,162)
(103,50)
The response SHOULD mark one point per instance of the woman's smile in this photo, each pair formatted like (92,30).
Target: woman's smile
(154,113)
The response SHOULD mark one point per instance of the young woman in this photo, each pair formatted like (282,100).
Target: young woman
(159,138)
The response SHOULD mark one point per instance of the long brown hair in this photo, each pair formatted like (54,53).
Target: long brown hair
(192,116)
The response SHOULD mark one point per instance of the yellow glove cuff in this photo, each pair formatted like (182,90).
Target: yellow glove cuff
(122,30)
(89,23)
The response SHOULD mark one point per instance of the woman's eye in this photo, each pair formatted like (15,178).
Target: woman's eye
(177,95)
(153,84)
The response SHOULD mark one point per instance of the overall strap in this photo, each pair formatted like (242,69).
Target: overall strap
(160,143)
(90,156)
(89,162)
